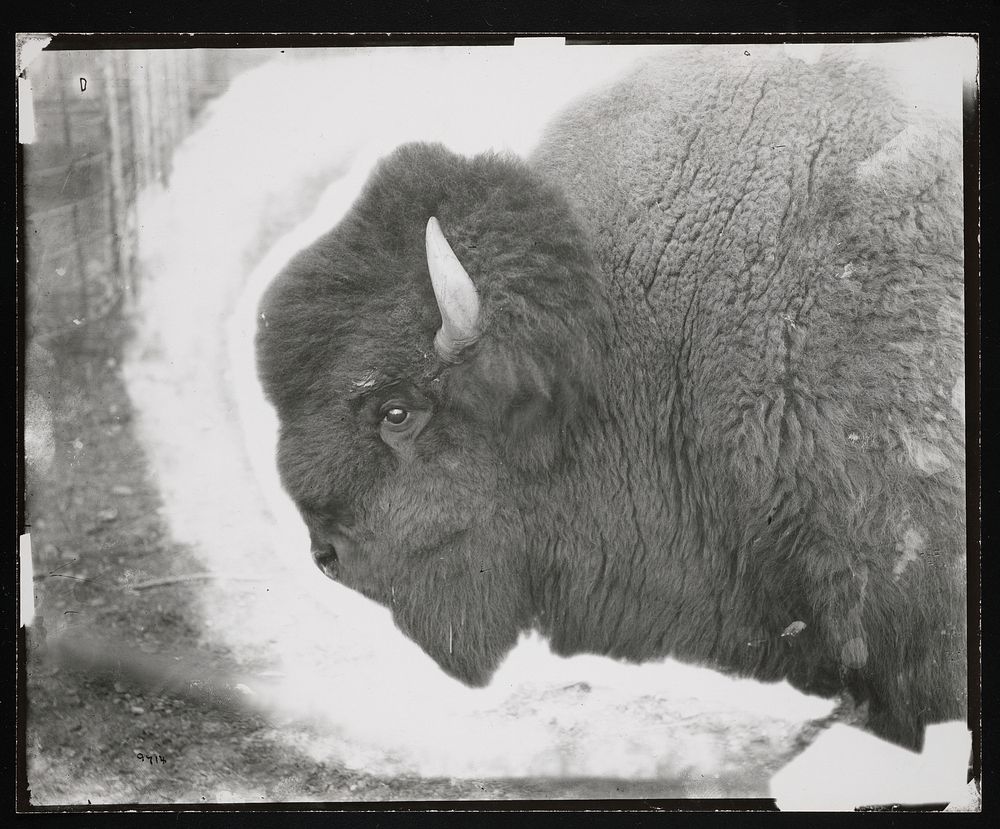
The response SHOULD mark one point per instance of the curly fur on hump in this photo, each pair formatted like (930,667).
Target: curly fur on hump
(717,390)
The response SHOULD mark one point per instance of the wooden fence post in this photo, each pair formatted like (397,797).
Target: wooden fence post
(120,243)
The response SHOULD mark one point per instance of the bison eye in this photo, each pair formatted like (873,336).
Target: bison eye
(400,423)
(396,416)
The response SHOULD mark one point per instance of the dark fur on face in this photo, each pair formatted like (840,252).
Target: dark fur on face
(442,539)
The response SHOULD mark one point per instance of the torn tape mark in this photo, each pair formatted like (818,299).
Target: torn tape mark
(846,768)
(25,112)
(27,580)
(29,47)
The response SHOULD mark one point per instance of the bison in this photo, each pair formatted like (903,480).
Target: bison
(687,382)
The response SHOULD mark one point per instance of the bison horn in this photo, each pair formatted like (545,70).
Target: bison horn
(456,296)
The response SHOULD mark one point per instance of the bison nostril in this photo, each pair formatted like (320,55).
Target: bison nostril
(326,558)
(332,549)
(343,544)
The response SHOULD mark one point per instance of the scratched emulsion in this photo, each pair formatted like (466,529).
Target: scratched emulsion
(241,200)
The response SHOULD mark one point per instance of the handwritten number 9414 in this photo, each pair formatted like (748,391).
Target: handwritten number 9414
(152,759)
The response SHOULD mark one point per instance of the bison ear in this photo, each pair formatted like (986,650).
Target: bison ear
(532,432)
(530,401)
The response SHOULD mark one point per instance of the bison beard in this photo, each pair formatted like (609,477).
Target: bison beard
(458,604)
(683,385)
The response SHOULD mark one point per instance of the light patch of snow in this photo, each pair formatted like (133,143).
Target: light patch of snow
(958,397)
(909,549)
(895,153)
(925,457)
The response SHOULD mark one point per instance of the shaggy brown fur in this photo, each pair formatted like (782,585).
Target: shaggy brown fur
(717,390)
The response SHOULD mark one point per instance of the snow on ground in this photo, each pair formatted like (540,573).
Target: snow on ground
(374,700)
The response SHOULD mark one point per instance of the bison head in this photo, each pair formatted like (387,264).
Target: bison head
(431,359)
